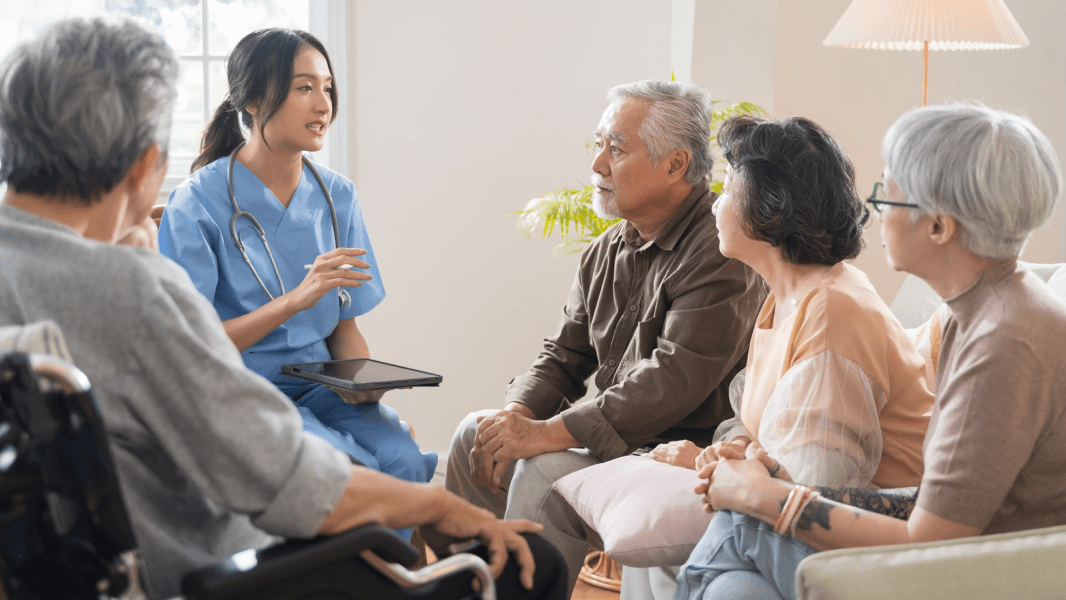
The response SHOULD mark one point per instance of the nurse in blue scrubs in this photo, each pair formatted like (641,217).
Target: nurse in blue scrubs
(281,87)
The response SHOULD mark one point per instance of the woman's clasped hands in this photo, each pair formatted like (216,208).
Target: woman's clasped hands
(729,471)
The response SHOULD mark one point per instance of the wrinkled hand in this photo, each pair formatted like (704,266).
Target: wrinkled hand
(680,453)
(481,461)
(464,521)
(735,478)
(327,274)
(358,397)
(143,235)
(708,458)
(502,439)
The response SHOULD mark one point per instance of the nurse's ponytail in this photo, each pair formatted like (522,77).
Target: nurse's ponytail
(259,71)
(222,135)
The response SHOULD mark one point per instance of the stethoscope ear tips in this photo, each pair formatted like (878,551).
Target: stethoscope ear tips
(345,299)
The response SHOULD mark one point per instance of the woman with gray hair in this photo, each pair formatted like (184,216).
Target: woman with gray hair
(963,188)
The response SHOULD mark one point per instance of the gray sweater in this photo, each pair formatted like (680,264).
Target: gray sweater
(211,456)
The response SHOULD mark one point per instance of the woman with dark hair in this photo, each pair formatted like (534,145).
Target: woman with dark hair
(834,388)
(292,269)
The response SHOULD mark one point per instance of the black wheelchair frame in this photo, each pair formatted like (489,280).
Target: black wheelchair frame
(65,533)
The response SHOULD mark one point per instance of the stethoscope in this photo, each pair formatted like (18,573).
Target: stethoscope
(345,297)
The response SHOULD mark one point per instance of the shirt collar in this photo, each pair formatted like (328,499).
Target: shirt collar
(25,217)
(671,233)
(989,276)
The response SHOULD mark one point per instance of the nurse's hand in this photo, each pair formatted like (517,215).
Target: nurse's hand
(360,397)
(328,273)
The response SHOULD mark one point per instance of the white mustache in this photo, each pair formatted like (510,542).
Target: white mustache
(597,181)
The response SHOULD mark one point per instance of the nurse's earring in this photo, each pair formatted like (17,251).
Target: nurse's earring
(345,299)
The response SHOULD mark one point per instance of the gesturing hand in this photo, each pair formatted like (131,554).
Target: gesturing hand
(329,272)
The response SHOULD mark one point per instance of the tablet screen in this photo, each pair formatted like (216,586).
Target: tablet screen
(363,371)
(361,374)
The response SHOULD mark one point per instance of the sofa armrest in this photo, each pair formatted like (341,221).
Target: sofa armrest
(1025,565)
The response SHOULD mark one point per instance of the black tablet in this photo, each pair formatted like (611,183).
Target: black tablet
(360,374)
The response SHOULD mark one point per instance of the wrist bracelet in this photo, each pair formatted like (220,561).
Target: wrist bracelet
(810,495)
(788,509)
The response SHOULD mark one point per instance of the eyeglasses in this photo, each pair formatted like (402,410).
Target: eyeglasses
(878,201)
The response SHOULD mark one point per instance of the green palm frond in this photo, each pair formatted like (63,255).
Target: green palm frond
(740,108)
(571,210)
(568,209)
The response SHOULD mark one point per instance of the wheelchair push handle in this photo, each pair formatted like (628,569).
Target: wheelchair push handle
(457,562)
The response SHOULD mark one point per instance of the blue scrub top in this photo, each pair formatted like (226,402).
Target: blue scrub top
(195,234)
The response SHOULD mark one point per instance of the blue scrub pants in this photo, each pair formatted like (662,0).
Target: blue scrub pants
(740,557)
(370,433)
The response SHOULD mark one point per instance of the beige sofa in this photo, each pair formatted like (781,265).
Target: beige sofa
(1016,566)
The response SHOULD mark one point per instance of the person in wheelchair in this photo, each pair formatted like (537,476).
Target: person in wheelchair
(210,456)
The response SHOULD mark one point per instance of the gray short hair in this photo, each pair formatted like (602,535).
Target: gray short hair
(679,119)
(990,170)
(80,103)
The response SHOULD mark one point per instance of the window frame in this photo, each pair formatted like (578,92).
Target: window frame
(328,22)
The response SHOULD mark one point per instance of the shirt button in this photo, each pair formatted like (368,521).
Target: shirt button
(611,362)
(633,308)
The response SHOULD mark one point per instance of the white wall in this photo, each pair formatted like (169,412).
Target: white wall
(857,94)
(733,50)
(770,49)
(463,111)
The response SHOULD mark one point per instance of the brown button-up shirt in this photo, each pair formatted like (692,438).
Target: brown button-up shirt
(664,325)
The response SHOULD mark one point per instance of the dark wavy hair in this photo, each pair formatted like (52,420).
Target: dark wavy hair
(258,69)
(796,188)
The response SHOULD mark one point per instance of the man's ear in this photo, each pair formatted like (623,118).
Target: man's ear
(942,229)
(138,175)
(679,162)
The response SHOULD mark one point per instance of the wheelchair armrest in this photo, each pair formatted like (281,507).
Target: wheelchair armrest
(253,569)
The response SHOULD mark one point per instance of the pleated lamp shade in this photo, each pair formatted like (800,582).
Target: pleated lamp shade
(945,24)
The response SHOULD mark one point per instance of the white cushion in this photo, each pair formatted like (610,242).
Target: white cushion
(645,510)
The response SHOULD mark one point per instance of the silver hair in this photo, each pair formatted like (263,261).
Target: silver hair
(992,171)
(679,119)
(80,104)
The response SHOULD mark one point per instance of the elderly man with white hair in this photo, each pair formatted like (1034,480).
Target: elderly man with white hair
(964,186)
(656,313)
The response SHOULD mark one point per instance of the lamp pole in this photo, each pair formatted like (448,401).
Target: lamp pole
(925,73)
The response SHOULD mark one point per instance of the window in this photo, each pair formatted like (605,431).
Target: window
(201,32)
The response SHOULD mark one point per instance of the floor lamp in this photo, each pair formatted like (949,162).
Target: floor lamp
(927,25)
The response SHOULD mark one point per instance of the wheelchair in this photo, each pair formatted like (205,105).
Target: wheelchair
(65,533)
